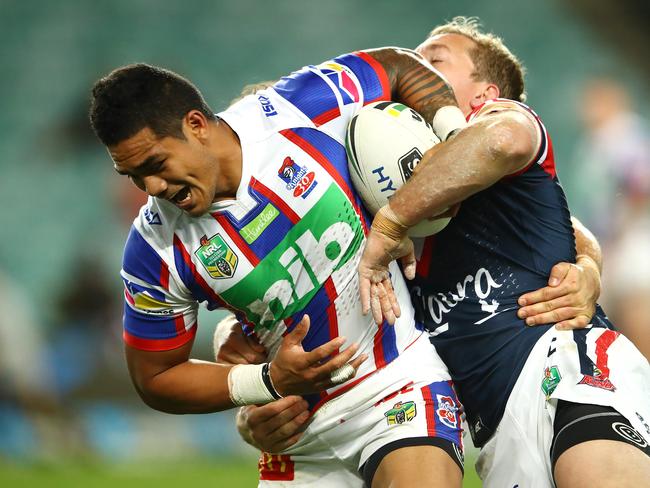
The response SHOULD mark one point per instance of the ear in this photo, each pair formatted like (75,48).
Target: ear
(489,92)
(197,124)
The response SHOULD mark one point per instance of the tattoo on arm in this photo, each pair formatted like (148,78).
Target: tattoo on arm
(413,81)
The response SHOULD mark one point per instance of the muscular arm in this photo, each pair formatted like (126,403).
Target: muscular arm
(414,82)
(586,244)
(479,156)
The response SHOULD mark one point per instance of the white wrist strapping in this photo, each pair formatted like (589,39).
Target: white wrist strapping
(447,120)
(246,385)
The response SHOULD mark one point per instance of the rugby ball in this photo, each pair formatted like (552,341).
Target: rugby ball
(385,141)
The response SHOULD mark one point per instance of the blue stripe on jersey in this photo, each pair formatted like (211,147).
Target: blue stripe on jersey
(140,259)
(319,330)
(446,410)
(586,364)
(370,82)
(335,153)
(389,342)
(148,326)
(272,235)
(308,92)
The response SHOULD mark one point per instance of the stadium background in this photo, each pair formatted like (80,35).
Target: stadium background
(68,414)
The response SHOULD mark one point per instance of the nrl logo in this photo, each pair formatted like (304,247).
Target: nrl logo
(216,257)
(400,413)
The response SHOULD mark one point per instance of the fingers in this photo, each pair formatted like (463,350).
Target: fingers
(364,292)
(299,332)
(558,273)
(278,425)
(580,322)
(384,290)
(542,295)
(531,311)
(321,353)
(554,316)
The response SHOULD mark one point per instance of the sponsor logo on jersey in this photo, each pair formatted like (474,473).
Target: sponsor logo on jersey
(447,410)
(597,381)
(251,231)
(267,106)
(151,217)
(642,420)
(341,76)
(440,304)
(400,413)
(551,379)
(276,467)
(298,178)
(216,256)
(289,276)
(408,162)
(142,300)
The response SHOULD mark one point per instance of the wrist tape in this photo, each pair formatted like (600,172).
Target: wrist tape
(447,121)
(387,223)
(250,384)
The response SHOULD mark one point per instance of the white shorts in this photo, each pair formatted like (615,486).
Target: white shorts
(412,397)
(590,366)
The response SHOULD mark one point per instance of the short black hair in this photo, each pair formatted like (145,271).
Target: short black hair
(139,95)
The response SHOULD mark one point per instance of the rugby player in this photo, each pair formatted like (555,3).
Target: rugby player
(546,406)
(252,210)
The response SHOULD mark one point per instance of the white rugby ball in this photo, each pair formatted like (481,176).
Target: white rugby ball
(385,141)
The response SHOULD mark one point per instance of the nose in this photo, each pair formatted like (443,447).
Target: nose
(154,185)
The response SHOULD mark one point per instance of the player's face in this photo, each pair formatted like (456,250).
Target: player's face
(450,55)
(181,171)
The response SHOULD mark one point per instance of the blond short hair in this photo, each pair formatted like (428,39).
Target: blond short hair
(493,61)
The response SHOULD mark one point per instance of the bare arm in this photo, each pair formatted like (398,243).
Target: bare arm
(413,81)
(171,382)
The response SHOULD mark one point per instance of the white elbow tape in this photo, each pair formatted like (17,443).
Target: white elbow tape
(447,120)
(246,385)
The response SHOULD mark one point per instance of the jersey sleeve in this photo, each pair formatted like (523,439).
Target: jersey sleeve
(157,317)
(336,88)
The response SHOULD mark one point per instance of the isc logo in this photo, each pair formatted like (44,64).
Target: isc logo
(308,262)
(267,107)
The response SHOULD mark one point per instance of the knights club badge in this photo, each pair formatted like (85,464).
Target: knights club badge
(216,256)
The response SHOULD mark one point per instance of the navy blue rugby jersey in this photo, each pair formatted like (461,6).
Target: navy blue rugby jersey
(502,243)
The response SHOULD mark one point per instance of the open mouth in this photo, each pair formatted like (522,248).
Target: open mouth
(183,196)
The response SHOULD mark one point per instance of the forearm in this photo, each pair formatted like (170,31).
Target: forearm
(414,82)
(586,244)
(473,160)
(189,387)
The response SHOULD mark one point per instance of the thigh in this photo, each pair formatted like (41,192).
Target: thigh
(283,470)
(435,468)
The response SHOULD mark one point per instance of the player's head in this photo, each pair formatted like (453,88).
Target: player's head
(477,65)
(156,126)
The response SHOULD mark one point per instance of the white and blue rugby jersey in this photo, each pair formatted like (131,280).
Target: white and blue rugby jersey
(288,244)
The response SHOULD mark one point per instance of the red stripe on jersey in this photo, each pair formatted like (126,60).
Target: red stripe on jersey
(332,318)
(128,297)
(240,243)
(164,275)
(429,410)
(424,262)
(275,199)
(325,117)
(159,344)
(378,349)
(381,74)
(325,163)
(602,344)
(179,322)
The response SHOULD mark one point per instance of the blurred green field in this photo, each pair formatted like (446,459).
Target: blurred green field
(225,472)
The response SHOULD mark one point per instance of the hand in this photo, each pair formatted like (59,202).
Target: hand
(232,346)
(275,426)
(375,287)
(294,371)
(570,299)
